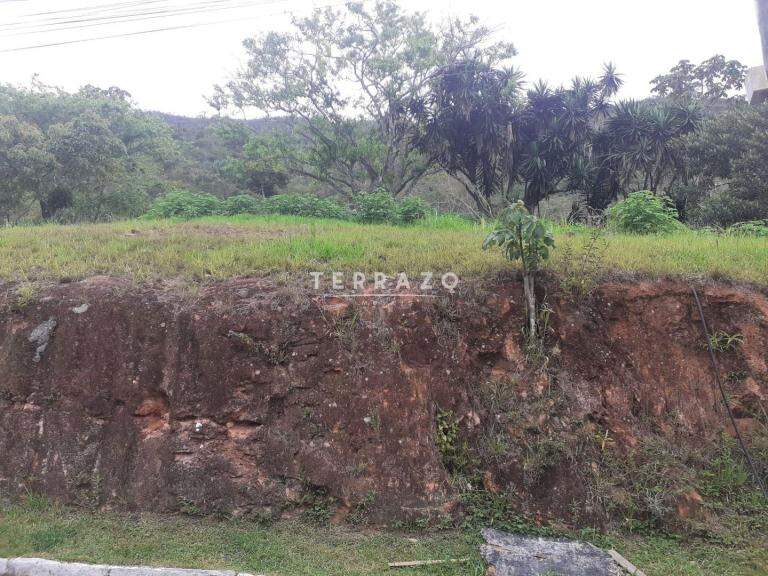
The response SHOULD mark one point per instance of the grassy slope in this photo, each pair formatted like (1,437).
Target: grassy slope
(296,549)
(217,248)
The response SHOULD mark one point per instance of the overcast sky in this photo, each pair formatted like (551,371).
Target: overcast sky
(171,71)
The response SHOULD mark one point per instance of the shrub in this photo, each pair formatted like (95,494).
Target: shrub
(184,204)
(523,236)
(755,228)
(241,204)
(412,209)
(643,213)
(376,207)
(304,205)
(722,209)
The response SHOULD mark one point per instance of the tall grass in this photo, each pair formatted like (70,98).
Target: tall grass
(223,247)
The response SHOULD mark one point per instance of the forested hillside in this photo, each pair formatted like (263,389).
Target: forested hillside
(382,112)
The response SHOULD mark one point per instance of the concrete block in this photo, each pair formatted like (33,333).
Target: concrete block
(757,85)
(152,571)
(40,567)
(513,555)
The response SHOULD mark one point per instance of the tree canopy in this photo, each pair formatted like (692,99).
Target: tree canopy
(373,98)
(85,155)
(349,78)
(728,160)
(711,80)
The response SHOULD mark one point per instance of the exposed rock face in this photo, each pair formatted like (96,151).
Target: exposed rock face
(252,398)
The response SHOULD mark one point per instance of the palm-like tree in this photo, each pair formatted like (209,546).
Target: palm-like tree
(639,147)
(468,127)
(556,131)
(552,140)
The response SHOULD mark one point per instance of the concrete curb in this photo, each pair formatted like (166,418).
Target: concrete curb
(40,567)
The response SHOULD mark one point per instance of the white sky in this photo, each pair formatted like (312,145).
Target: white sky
(556,39)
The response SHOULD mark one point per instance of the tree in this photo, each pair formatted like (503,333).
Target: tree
(467,125)
(348,79)
(522,236)
(642,142)
(712,80)
(251,161)
(484,132)
(728,159)
(554,143)
(24,165)
(88,159)
(87,155)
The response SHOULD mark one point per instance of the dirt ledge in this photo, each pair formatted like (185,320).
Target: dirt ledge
(261,401)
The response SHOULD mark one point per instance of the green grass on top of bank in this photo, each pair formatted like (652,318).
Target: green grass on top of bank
(216,248)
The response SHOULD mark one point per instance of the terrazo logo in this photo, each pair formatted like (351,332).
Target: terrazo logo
(379,284)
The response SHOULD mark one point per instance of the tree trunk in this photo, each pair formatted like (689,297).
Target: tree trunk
(531,201)
(482,204)
(50,204)
(530,301)
(46,210)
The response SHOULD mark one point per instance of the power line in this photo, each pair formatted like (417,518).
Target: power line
(97,7)
(163,29)
(200,8)
(136,9)
(724,397)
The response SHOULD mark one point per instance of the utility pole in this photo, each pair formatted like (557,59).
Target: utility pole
(757,78)
(762,19)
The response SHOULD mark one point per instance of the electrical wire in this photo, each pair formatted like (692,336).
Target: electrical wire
(137,10)
(163,29)
(97,7)
(204,8)
(724,395)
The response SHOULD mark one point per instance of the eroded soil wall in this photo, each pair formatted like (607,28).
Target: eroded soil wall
(256,400)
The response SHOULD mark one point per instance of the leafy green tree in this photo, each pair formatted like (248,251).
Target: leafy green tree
(521,236)
(348,79)
(101,155)
(256,168)
(88,158)
(728,163)
(712,80)
(25,163)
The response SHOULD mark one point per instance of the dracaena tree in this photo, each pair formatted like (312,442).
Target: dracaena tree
(468,124)
(640,147)
(492,136)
